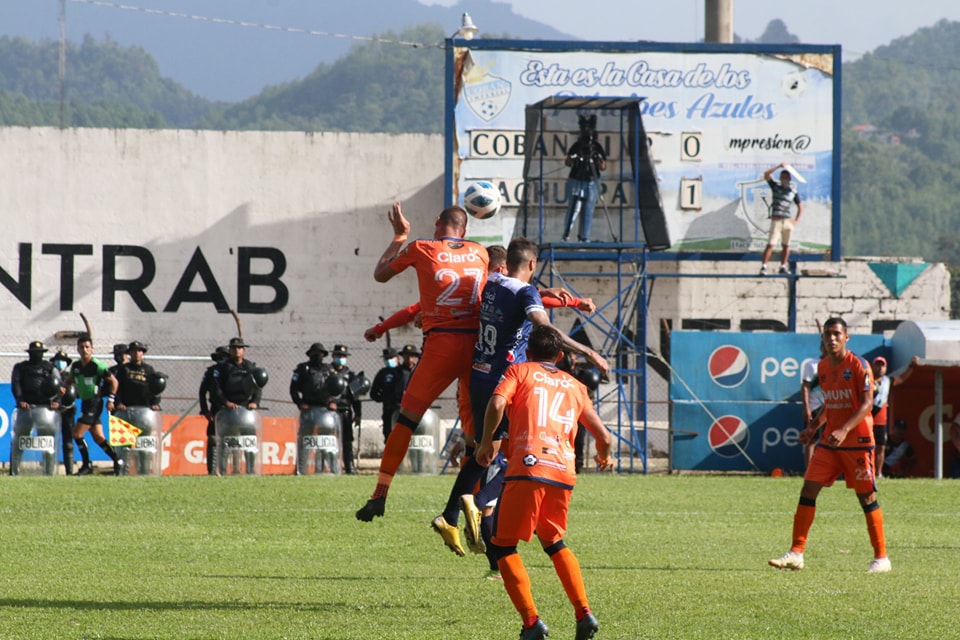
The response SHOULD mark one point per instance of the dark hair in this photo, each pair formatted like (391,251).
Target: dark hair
(835,320)
(454,217)
(497,254)
(84,337)
(519,251)
(545,343)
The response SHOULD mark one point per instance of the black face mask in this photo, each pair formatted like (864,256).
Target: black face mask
(316,360)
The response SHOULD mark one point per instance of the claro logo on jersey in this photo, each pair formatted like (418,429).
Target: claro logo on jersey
(728,366)
(728,436)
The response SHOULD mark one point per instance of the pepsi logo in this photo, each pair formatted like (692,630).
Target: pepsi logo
(728,366)
(728,436)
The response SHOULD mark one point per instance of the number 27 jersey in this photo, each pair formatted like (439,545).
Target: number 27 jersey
(450,273)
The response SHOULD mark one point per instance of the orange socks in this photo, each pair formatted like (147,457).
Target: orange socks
(517,583)
(802,521)
(396,448)
(875,529)
(568,570)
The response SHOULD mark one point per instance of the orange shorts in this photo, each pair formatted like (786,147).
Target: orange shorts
(855,465)
(526,507)
(446,356)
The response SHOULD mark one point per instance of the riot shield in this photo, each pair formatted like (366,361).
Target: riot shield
(239,433)
(318,442)
(33,444)
(143,459)
(422,455)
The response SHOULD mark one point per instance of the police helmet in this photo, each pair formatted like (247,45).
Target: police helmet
(69,396)
(590,378)
(51,384)
(260,377)
(334,384)
(360,384)
(157,383)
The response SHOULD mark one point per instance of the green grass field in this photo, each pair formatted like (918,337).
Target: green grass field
(283,557)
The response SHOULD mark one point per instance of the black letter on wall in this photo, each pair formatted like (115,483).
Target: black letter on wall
(212,293)
(247,280)
(67,253)
(20,288)
(135,287)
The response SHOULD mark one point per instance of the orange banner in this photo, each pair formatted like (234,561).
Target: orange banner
(185,449)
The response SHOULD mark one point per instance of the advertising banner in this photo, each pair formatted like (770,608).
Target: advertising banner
(736,397)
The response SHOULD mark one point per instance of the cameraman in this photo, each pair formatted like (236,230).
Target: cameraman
(586,160)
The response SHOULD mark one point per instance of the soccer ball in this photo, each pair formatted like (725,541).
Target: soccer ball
(481,199)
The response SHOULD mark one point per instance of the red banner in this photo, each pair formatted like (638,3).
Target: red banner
(914,402)
(185,448)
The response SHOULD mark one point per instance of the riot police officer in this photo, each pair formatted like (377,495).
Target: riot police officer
(67,409)
(34,382)
(389,383)
(347,404)
(139,388)
(135,381)
(234,385)
(314,389)
(209,407)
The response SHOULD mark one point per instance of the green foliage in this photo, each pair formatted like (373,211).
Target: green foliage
(284,557)
(106,86)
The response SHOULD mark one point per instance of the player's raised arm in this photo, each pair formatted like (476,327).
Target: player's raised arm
(401,230)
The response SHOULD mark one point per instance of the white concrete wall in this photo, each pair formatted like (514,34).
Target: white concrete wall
(319,199)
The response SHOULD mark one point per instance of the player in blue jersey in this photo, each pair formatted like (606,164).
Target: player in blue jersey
(509,308)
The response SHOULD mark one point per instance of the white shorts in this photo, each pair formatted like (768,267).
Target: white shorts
(780,231)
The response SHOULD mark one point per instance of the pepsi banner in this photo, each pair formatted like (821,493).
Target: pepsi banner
(736,400)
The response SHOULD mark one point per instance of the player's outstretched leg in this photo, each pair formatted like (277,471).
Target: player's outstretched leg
(393,453)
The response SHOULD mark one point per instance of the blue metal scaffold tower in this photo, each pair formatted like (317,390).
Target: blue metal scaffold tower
(635,224)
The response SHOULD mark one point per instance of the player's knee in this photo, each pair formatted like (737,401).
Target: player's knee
(497,552)
(554,548)
(871,506)
(407,422)
(808,502)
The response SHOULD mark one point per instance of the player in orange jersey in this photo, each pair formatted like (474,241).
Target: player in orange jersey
(544,406)
(845,448)
(451,272)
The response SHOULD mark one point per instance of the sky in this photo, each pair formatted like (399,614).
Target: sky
(859,26)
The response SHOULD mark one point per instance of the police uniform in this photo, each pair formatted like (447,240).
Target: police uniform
(68,411)
(133,382)
(32,382)
(388,385)
(231,383)
(209,407)
(136,389)
(348,406)
(311,385)
(228,381)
